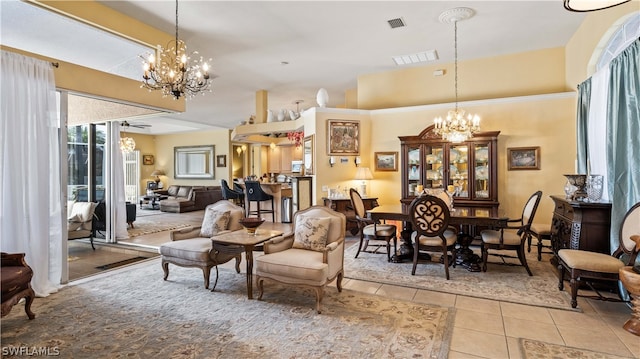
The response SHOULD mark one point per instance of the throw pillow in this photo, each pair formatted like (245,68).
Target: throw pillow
(214,221)
(311,233)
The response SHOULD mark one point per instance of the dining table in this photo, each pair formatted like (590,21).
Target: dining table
(467,219)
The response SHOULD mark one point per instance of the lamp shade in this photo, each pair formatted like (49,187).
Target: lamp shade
(158,173)
(363,173)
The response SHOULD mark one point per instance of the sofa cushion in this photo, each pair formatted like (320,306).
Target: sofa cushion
(184,191)
(214,222)
(173,190)
(311,233)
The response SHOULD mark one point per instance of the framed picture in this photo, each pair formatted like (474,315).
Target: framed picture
(221,161)
(147,159)
(523,158)
(343,137)
(386,161)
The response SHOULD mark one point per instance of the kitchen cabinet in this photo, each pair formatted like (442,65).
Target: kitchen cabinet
(280,157)
(470,167)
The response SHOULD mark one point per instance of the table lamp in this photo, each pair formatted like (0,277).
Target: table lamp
(157,173)
(363,174)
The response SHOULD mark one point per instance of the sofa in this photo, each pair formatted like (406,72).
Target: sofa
(182,198)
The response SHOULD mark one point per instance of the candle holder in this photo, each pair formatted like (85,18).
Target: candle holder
(580,182)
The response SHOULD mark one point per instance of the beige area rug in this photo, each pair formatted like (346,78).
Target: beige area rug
(533,349)
(133,313)
(499,282)
(141,228)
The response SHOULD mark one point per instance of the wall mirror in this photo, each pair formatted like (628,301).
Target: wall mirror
(307,154)
(194,162)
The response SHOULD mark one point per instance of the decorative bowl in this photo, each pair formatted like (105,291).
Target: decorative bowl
(580,182)
(251,224)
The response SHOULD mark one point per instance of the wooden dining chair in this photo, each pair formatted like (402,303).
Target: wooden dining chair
(371,230)
(432,233)
(513,236)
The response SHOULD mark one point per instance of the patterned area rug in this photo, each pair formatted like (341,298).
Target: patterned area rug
(133,313)
(141,228)
(499,282)
(532,349)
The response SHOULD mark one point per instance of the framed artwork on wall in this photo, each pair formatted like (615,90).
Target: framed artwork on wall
(343,137)
(386,161)
(523,158)
(221,161)
(147,159)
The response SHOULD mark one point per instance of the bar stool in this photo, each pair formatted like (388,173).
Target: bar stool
(255,193)
(232,195)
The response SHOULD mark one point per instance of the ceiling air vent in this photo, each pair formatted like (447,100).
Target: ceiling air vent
(425,56)
(394,23)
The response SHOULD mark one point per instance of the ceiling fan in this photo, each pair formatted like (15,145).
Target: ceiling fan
(126,125)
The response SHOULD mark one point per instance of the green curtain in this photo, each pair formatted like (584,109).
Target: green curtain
(623,135)
(582,119)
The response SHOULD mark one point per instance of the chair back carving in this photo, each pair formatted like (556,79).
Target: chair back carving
(429,216)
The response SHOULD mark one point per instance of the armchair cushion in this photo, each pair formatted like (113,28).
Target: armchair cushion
(311,233)
(214,221)
(301,265)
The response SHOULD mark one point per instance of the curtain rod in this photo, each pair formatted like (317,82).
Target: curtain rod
(55,64)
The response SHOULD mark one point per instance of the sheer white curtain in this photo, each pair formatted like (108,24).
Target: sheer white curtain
(116,179)
(30,191)
(597,131)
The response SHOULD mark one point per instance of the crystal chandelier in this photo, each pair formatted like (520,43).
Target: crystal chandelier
(175,72)
(457,127)
(127,144)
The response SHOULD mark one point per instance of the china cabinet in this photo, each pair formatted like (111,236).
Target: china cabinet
(467,169)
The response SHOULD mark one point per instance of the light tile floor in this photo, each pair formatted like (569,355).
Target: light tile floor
(483,328)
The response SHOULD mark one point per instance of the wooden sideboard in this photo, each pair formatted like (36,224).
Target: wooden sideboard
(580,225)
(343,205)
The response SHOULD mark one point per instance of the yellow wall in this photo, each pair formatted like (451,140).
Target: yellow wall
(530,73)
(164,145)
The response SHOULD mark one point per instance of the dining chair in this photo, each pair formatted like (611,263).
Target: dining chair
(513,236)
(255,193)
(542,233)
(430,220)
(584,266)
(229,194)
(371,230)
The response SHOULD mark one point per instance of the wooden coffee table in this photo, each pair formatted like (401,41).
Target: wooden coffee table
(248,241)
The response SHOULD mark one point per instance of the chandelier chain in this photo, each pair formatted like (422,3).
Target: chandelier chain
(455,55)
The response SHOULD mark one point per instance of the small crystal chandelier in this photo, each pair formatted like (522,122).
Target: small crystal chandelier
(457,127)
(175,72)
(127,144)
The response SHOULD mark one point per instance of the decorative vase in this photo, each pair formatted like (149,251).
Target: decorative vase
(580,182)
(281,115)
(270,117)
(322,97)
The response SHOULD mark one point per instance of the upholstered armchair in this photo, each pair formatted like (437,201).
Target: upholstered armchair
(192,246)
(312,256)
(16,276)
(80,220)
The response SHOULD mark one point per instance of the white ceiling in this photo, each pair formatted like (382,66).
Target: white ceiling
(327,44)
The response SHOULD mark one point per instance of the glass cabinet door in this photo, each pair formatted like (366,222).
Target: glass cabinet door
(481,171)
(434,160)
(413,168)
(459,170)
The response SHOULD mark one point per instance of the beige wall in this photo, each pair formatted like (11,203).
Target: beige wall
(164,145)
